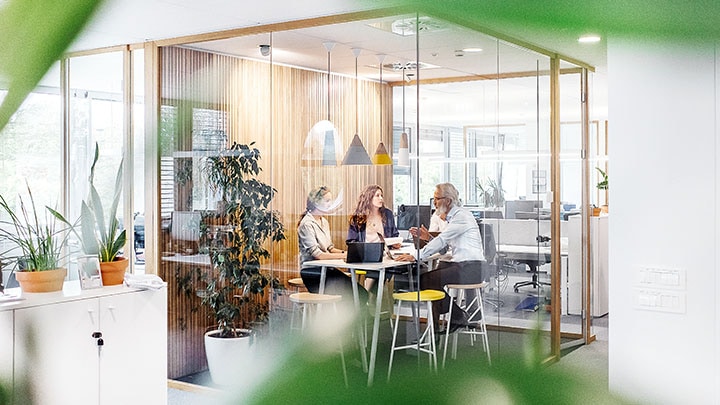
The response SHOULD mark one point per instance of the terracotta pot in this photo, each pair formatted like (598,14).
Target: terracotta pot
(113,273)
(41,281)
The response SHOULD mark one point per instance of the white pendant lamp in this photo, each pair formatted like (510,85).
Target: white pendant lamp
(404,149)
(381,156)
(322,144)
(356,153)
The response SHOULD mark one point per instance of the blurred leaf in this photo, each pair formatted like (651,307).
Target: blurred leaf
(34,35)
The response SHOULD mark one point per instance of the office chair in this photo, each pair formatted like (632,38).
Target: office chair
(534,266)
(496,265)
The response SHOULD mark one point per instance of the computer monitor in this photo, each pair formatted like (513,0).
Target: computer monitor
(412,215)
(511,207)
(185,230)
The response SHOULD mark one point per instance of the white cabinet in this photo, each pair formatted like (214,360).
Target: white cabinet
(6,344)
(55,347)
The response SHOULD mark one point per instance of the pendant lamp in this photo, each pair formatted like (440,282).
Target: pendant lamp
(322,144)
(404,149)
(381,155)
(356,153)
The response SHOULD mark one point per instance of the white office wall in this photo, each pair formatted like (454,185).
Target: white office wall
(664,184)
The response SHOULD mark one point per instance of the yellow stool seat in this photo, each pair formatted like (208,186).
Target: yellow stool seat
(425,295)
(426,342)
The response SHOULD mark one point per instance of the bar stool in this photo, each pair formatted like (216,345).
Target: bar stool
(298,284)
(480,327)
(426,342)
(307,299)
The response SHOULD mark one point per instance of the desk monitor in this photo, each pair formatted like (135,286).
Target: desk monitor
(511,207)
(185,230)
(412,215)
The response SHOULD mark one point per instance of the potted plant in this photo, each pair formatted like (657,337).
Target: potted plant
(603,185)
(41,245)
(236,280)
(491,193)
(100,237)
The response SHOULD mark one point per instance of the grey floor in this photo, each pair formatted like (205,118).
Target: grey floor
(588,360)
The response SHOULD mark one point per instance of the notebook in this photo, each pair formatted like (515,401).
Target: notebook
(365,252)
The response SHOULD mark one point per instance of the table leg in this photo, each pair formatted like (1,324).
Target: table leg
(376,327)
(361,329)
(323,275)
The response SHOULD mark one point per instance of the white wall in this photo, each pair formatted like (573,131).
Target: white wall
(664,176)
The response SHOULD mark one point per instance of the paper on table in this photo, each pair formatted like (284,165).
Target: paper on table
(393,241)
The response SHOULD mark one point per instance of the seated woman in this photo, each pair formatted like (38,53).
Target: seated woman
(315,243)
(372,222)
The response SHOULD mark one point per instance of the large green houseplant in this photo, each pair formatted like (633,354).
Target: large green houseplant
(100,233)
(40,243)
(236,280)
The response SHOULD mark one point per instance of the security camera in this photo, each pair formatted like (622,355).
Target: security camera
(264,50)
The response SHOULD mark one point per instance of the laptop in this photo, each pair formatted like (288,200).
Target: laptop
(365,252)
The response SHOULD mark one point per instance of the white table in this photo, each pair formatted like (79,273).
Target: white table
(376,267)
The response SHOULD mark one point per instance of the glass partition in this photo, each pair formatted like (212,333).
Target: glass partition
(449,104)
(96,111)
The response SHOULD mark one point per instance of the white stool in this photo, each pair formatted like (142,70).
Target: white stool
(480,327)
(297,283)
(307,299)
(426,342)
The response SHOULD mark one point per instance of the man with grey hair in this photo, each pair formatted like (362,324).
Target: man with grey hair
(462,237)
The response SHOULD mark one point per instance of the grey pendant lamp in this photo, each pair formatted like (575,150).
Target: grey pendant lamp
(356,153)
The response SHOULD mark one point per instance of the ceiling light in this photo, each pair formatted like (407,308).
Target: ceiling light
(472,49)
(589,39)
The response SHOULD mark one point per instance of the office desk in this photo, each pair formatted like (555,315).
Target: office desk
(376,267)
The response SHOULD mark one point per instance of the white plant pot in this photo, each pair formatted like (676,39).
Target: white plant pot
(228,358)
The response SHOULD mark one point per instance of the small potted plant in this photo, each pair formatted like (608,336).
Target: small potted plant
(40,243)
(603,185)
(237,278)
(100,232)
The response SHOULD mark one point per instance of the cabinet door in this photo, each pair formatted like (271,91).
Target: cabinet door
(6,348)
(133,362)
(56,353)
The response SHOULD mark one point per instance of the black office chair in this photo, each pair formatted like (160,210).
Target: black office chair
(495,264)
(534,266)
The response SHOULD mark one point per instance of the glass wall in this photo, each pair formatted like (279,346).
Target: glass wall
(31,154)
(449,104)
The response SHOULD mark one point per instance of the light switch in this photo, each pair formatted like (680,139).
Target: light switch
(654,299)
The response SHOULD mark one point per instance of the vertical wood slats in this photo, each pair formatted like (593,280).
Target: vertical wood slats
(277,118)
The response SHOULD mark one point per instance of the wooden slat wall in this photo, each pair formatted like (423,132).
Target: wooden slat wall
(275,107)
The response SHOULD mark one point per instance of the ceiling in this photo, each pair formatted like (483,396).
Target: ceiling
(136,21)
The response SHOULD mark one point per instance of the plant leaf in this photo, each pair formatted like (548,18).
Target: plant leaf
(34,35)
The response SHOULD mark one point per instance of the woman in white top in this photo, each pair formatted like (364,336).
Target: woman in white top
(315,243)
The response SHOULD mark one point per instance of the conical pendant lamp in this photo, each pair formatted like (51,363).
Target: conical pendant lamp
(404,149)
(356,153)
(381,156)
(322,144)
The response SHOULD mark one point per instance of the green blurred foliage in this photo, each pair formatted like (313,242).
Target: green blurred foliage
(35,34)
(696,19)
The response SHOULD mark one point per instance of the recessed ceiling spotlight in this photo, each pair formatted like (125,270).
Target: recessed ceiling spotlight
(472,49)
(589,39)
